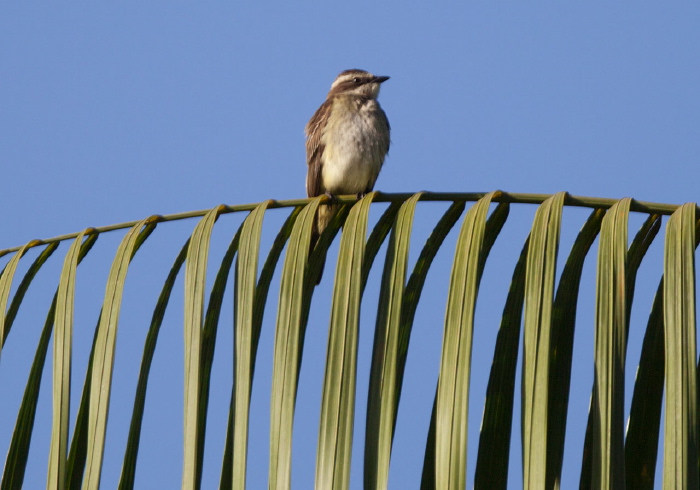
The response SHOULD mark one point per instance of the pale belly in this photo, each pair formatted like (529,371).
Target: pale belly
(349,172)
(352,158)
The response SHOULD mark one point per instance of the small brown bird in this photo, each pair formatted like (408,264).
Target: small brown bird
(346,142)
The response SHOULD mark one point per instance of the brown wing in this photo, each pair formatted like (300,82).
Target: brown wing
(383,142)
(314,150)
(384,120)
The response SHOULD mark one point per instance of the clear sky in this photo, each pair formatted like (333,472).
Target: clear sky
(111,113)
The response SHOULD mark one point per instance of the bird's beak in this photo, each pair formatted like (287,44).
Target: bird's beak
(380,79)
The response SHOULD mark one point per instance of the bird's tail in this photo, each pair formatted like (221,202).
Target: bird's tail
(323,217)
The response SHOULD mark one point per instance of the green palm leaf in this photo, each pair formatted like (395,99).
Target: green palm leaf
(542,298)
(681,431)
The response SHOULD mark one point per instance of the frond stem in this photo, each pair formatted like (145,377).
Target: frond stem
(500,196)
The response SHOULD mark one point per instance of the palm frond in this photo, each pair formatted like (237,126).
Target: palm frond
(543,298)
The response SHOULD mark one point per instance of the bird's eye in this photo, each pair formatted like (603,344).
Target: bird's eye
(356,80)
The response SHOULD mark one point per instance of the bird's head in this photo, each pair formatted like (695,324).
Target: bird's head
(357,82)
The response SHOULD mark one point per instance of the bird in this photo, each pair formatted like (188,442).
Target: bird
(347,140)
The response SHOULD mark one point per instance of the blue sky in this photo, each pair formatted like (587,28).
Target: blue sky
(111,113)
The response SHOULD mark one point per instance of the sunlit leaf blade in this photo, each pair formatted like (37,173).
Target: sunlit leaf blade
(642,441)
(261,294)
(79,445)
(453,382)
(681,421)
(494,441)
(126,481)
(17,454)
(643,426)
(493,227)
(288,348)
(415,284)
(539,296)
(338,397)
(635,254)
(6,278)
(77,454)
(195,285)
(267,273)
(637,250)
(280,449)
(244,301)
(209,330)
(103,359)
(382,398)
(6,325)
(211,327)
(376,238)
(63,340)
(608,466)
(412,295)
(562,344)
(645,236)
(16,462)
